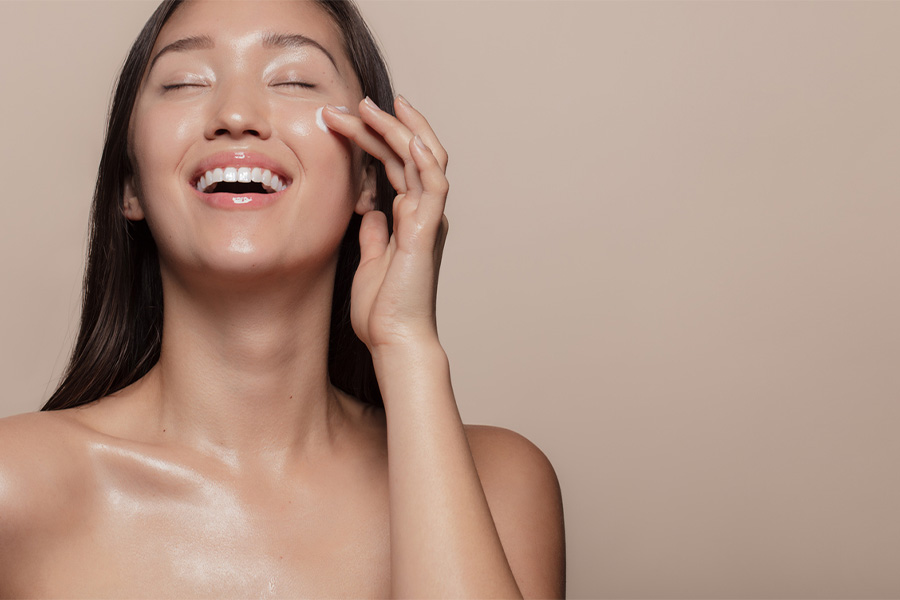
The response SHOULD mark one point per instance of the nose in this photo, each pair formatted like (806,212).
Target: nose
(238,111)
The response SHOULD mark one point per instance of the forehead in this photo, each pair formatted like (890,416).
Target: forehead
(239,26)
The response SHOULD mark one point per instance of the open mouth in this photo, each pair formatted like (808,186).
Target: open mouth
(237,188)
(240,180)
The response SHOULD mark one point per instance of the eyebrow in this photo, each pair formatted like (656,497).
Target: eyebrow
(197,42)
(270,40)
(296,40)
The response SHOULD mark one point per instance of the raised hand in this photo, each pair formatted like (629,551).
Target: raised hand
(395,287)
(444,540)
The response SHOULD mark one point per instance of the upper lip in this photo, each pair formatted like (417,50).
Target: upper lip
(239,158)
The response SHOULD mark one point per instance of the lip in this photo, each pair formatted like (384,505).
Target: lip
(230,200)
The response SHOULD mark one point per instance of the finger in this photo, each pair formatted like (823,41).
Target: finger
(413,180)
(419,125)
(395,133)
(434,183)
(354,129)
(404,211)
(443,230)
(373,236)
(439,250)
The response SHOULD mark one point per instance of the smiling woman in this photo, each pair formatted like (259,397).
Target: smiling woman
(258,402)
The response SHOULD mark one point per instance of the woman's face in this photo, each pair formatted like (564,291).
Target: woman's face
(232,91)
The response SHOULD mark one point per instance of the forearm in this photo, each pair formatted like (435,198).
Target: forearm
(443,539)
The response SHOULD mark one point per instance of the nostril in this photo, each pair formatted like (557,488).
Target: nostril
(224,131)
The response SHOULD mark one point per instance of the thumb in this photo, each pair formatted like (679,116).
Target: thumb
(373,236)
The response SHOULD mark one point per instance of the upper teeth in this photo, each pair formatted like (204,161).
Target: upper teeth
(242,175)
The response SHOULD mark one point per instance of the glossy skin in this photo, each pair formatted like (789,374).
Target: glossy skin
(234,468)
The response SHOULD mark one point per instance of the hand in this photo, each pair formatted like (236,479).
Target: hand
(392,302)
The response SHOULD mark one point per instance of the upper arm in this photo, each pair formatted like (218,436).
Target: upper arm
(524,496)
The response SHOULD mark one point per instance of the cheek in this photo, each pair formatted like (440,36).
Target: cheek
(300,123)
(304,119)
(160,136)
(319,148)
(157,140)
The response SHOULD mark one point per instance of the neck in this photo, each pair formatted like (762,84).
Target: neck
(243,373)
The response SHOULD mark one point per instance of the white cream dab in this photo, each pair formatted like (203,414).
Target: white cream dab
(240,199)
(321,122)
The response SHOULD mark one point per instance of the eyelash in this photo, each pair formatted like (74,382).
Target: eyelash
(302,84)
(175,86)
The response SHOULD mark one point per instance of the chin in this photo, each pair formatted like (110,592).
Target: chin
(241,257)
(241,263)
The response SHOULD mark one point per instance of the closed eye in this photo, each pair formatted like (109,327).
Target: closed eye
(176,86)
(301,84)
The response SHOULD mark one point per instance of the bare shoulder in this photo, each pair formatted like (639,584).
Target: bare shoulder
(29,442)
(491,445)
(37,469)
(525,499)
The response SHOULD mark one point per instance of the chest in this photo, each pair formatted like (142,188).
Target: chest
(132,542)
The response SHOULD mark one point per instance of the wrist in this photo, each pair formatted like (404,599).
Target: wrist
(408,351)
(414,375)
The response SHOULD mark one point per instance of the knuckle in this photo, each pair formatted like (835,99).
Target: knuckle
(405,203)
(442,186)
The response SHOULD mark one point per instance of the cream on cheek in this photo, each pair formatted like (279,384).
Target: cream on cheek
(315,144)
(321,122)
(301,123)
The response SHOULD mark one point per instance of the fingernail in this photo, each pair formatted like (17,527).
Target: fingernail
(403,100)
(371,104)
(420,144)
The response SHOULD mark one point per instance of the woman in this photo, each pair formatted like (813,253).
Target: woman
(258,403)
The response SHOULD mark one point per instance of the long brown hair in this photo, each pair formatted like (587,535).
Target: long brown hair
(120,333)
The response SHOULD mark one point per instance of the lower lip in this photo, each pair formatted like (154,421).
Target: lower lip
(232,201)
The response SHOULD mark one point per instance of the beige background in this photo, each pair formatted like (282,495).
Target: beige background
(673,263)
